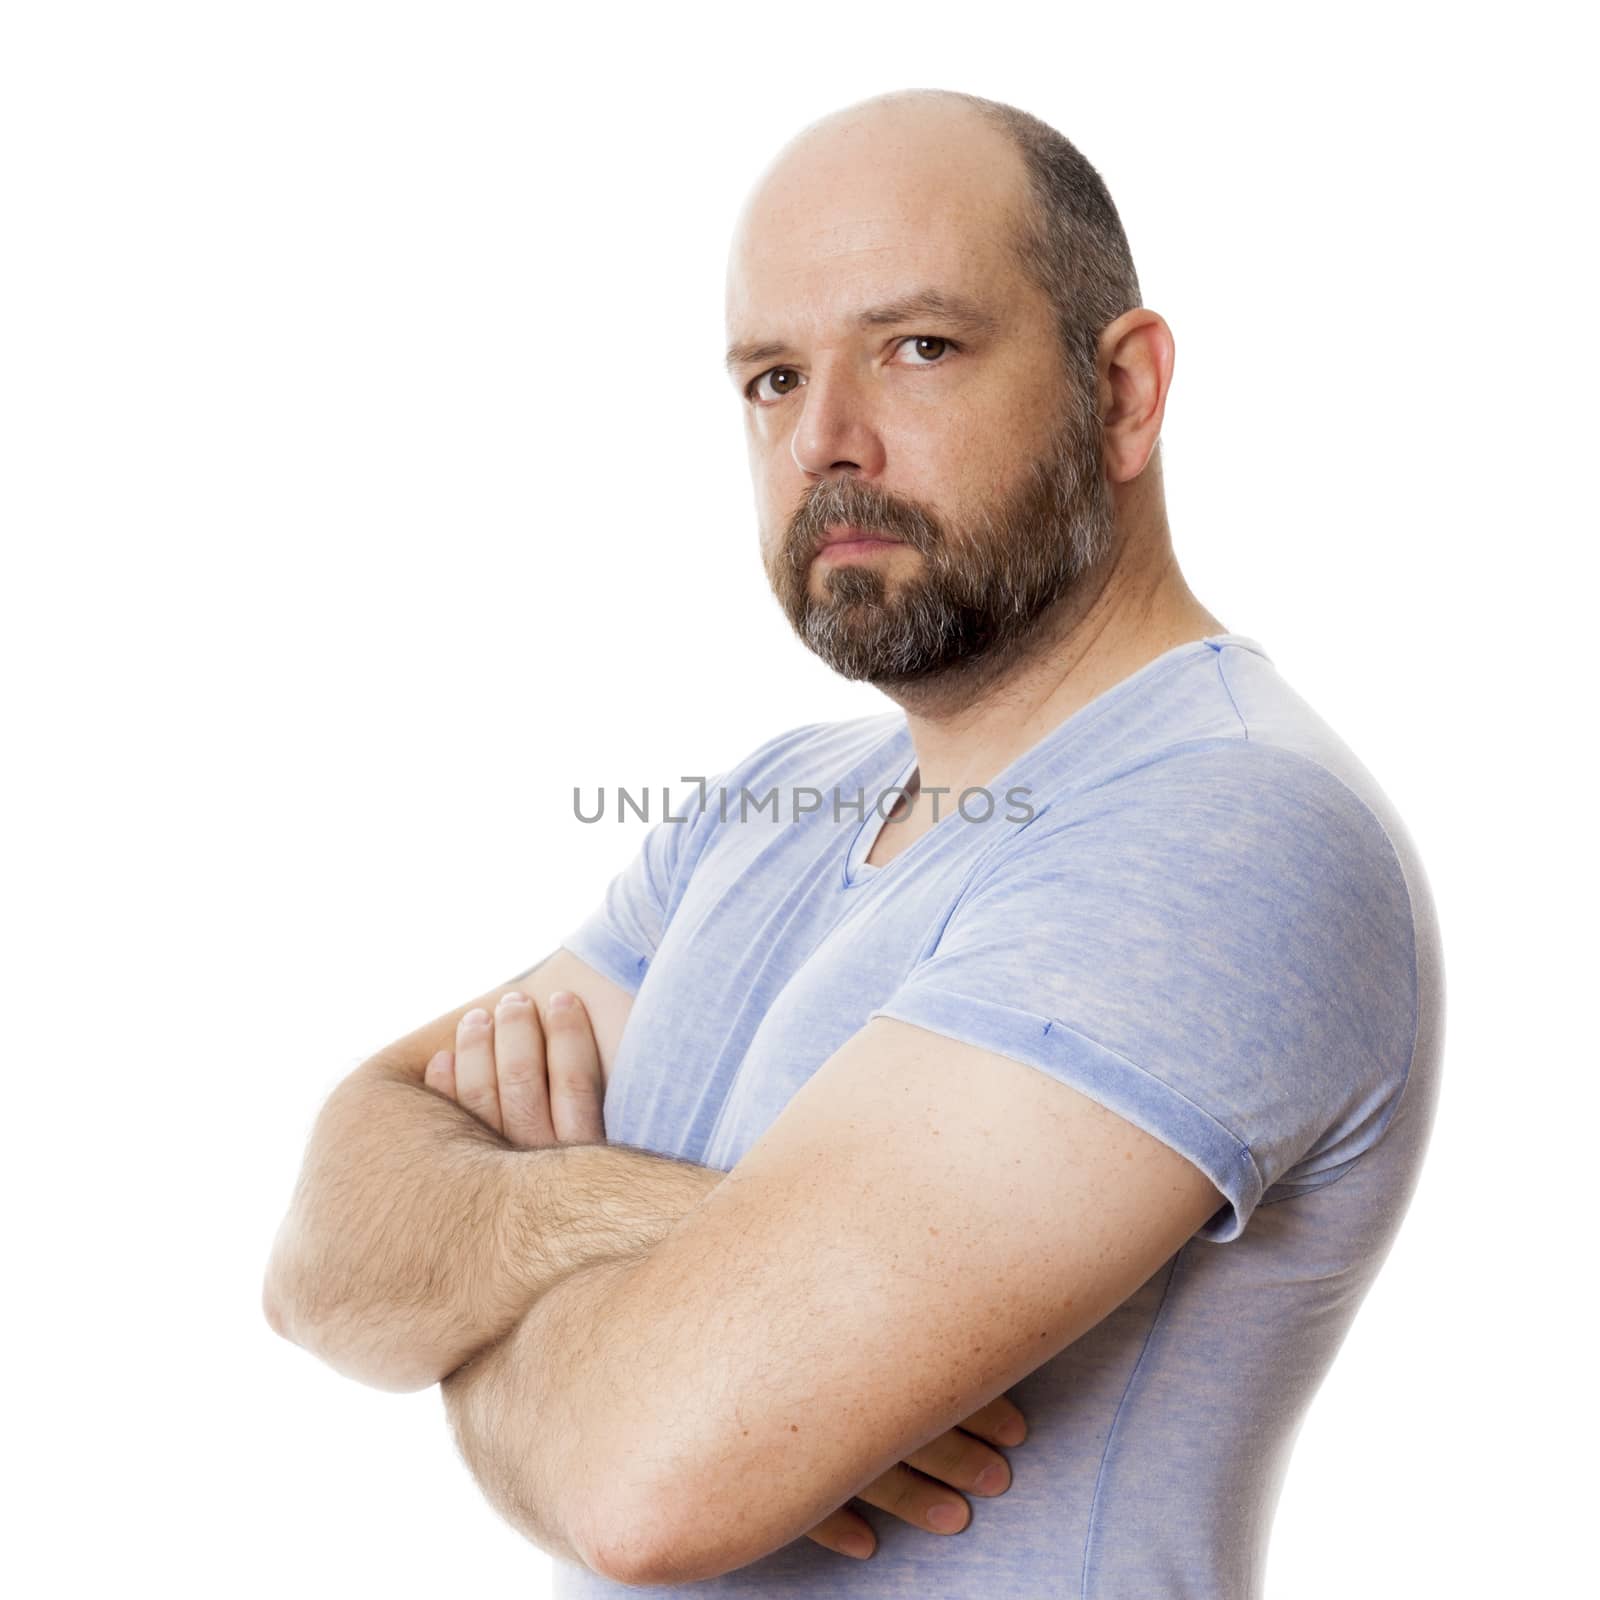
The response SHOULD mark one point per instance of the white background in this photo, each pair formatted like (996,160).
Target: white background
(369,480)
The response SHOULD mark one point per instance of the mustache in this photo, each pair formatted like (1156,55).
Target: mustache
(854,506)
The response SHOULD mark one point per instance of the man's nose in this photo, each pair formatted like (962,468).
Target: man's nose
(836,428)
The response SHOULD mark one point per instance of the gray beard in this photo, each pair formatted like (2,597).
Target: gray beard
(984,598)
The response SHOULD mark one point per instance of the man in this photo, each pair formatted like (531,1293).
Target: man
(1097,1094)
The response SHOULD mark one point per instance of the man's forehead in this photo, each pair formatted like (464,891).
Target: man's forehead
(831,212)
(852,221)
(846,272)
(862,279)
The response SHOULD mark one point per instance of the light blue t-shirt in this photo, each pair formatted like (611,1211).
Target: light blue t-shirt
(1209,920)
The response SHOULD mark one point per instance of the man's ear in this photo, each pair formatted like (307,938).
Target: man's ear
(1135,364)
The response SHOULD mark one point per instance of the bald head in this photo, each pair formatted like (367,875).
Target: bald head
(936,133)
(914,162)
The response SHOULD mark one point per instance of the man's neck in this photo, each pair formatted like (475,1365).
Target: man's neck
(966,736)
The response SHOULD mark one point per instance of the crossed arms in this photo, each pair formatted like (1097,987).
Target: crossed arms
(666,1372)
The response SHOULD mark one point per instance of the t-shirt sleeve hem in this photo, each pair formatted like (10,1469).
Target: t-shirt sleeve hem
(608,955)
(1104,1076)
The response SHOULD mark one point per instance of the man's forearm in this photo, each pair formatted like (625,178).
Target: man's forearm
(417,1236)
(519,1413)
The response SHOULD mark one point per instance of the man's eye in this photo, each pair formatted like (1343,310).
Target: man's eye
(786,379)
(753,389)
(918,340)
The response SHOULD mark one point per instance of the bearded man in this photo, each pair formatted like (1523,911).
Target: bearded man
(842,1146)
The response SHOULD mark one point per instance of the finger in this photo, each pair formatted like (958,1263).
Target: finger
(963,1462)
(572,1059)
(475,1081)
(520,1071)
(847,1532)
(440,1075)
(999,1422)
(917,1500)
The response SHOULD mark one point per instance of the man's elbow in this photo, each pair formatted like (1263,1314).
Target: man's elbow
(382,1363)
(640,1558)
(682,1537)
(277,1298)
(271,1309)
(386,1367)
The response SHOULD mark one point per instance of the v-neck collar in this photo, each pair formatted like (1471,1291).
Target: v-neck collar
(898,755)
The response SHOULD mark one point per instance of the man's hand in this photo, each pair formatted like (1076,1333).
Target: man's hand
(538,1082)
(958,1457)
(534,1082)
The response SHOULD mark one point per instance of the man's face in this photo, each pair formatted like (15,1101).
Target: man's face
(959,442)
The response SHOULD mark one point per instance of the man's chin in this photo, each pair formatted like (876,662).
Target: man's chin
(866,657)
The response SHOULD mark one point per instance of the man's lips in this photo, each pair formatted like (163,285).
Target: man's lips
(843,533)
(840,540)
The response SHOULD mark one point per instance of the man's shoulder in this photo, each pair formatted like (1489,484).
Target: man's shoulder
(1226,812)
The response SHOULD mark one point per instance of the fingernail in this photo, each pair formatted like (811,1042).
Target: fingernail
(513,997)
(475,1015)
(946,1518)
(1011,1433)
(992,1479)
(855,1544)
(561,1000)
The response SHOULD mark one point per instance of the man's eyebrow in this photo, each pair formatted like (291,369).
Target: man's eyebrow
(940,305)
